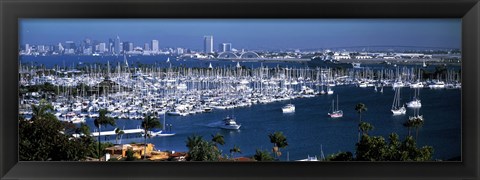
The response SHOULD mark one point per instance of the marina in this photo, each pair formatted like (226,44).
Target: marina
(198,100)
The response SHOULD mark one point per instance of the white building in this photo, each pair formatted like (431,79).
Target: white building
(155,46)
(363,57)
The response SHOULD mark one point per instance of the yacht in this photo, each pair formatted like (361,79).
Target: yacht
(289,108)
(415,103)
(356,65)
(309,158)
(230,123)
(437,85)
(396,108)
(336,113)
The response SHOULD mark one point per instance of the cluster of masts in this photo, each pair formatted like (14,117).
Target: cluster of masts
(129,93)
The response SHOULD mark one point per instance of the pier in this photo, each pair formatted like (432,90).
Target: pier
(110,133)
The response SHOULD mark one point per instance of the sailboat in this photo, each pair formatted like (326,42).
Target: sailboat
(168,59)
(424,65)
(238,65)
(162,132)
(210,66)
(415,103)
(396,109)
(336,113)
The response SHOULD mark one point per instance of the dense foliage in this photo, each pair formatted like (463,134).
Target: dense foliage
(43,138)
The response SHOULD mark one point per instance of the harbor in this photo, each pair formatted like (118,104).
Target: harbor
(197,100)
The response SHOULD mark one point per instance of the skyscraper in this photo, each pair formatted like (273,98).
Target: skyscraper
(146,47)
(226,47)
(155,45)
(117,45)
(208,44)
(102,47)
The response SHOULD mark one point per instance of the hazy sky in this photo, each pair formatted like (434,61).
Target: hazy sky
(249,34)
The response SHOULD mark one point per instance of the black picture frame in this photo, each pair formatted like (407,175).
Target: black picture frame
(467,10)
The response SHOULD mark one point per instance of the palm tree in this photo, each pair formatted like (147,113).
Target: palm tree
(149,122)
(42,110)
(279,141)
(262,156)
(118,132)
(360,107)
(193,141)
(409,124)
(234,150)
(102,120)
(417,123)
(365,127)
(218,139)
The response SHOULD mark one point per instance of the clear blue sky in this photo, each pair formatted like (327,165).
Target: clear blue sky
(249,34)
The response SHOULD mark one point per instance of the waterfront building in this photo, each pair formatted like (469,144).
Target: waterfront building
(146,47)
(155,46)
(102,47)
(339,56)
(180,51)
(208,44)
(110,45)
(117,46)
(363,57)
(226,47)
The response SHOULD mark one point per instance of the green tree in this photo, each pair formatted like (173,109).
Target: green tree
(341,156)
(279,141)
(409,124)
(149,122)
(360,108)
(218,139)
(99,122)
(118,133)
(43,138)
(201,150)
(365,127)
(129,155)
(193,141)
(262,155)
(234,150)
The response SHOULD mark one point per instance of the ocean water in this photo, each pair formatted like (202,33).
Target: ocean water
(309,128)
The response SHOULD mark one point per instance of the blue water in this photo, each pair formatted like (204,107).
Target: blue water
(310,127)
(160,61)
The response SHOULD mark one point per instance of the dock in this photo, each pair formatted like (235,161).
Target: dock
(111,133)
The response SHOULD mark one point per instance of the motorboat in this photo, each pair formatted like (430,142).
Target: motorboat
(230,123)
(289,108)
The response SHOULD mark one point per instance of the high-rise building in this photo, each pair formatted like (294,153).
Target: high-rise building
(125,47)
(155,45)
(110,45)
(27,47)
(226,47)
(179,51)
(208,44)
(117,47)
(102,47)
(146,47)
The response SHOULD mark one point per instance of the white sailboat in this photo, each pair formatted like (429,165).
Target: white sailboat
(415,103)
(396,108)
(336,113)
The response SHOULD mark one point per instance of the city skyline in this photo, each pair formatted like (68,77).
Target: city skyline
(249,34)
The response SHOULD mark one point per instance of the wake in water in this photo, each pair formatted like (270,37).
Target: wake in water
(215,124)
